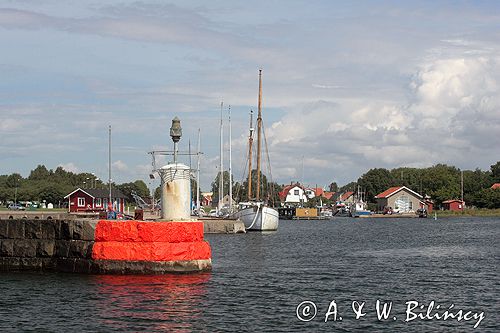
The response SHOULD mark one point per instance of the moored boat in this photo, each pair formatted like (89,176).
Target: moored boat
(258,217)
(255,213)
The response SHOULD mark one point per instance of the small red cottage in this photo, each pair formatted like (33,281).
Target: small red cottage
(206,200)
(94,200)
(454,205)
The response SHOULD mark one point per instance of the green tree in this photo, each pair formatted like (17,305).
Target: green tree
(374,182)
(40,173)
(333,187)
(216,184)
(317,201)
(495,172)
(139,187)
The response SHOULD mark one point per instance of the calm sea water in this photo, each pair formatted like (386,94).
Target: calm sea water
(258,280)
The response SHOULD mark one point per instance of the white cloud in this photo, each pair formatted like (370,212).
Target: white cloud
(454,107)
(119,166)
(70,167)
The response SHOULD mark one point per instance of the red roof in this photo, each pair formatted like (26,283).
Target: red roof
(318,191)
(452,200)
(346,195)
(388,192)
(393,190)
(495,186)
(328,195)
(287,189)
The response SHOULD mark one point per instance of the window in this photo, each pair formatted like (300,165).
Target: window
(81,202)
(296,192)
(98,202)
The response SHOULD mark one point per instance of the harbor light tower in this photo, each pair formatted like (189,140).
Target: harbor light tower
(175,183)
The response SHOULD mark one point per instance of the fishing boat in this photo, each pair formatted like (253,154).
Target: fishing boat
(255,213)
(359,207)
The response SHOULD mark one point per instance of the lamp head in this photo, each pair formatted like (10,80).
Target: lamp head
(176,130)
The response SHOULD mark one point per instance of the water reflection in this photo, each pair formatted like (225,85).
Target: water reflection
(154,303)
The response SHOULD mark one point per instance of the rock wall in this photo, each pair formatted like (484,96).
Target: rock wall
(103,247)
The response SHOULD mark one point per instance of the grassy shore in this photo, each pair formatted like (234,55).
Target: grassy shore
(468,212)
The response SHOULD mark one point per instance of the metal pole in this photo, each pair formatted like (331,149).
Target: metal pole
(198,177)
(15,194)
(259,126)
(109,169)
(230,171)
(175,152)
(462,187)
(250,141)
(221,165)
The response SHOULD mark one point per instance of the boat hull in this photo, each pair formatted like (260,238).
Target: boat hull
(267,219)
(362,213)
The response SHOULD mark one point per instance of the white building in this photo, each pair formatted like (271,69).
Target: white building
(293,195)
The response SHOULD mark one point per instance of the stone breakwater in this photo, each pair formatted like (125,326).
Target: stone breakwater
(103,247)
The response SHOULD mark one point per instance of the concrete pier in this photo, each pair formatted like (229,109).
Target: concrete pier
(212,225)
(103,247)
(223,226)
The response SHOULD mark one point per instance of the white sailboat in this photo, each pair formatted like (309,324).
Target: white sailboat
(255,213)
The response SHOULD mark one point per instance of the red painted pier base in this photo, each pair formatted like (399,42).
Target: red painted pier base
(150,247)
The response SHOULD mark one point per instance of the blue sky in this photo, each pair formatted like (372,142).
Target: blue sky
(348,85)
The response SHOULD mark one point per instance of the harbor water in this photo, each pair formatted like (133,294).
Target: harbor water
(286,281)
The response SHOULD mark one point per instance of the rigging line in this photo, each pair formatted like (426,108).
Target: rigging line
(243,175)
(269,166)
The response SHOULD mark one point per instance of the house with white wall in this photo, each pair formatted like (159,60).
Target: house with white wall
(293,194)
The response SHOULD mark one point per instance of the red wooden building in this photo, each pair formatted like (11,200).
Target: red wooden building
(94,200)
(455,205)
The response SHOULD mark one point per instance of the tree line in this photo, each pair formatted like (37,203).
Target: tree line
(53,185)
(440,182)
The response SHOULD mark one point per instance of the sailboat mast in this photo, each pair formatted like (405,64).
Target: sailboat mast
(259,130)
(230,171)
(250,141)
(221,167)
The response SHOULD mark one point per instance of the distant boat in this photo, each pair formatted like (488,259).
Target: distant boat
(342,210)
(359,208)
(255,213)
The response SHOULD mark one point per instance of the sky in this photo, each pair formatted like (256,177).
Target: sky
(347,85)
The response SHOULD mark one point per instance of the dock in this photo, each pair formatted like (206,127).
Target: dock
(222,226)
(211,225)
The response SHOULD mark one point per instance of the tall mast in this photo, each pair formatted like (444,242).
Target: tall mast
(250,141)
(230,171)
(221,167)
(259,129)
